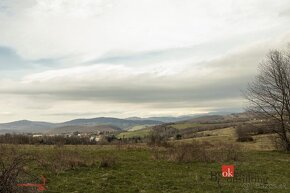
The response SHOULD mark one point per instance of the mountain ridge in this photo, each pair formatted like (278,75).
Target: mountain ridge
(27,126)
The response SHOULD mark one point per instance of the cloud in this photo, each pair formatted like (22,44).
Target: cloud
(83,114)
(208,84)
(90,29)
(9,60)
(132,58)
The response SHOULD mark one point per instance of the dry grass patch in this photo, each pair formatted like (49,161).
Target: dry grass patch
(199,151)
(107,161)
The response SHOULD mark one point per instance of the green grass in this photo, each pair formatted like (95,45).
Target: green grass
(143,130)
(135,133)
(185,125)
(139,127)
(137,172)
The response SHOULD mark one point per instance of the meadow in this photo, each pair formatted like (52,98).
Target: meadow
(139,168)
(157,163)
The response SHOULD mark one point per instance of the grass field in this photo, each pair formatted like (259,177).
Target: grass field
(136,171)
(260,143)
(139,127)
(135,133)
(139,168)
(185,125)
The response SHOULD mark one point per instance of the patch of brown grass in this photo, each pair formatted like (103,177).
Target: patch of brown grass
(107,161)
(199,151)
(61,159)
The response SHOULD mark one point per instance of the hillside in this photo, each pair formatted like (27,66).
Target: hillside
(106,123)
(25,126)
(190,128)
(121,123)
(172,119)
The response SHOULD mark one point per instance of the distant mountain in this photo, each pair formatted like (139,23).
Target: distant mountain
(25,126)
(233,117)
(121,123)
(163,119)
(169,119)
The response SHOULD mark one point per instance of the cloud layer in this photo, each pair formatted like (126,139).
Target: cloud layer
(63,59)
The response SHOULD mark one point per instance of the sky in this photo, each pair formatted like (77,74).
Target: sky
(66,59)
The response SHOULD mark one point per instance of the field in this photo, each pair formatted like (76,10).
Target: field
(134,168)
(185,165)
(135,133)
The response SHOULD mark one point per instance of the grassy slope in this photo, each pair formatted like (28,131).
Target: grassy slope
(185,125)
(136,171)
(135,133)
(138,127)
(261,142)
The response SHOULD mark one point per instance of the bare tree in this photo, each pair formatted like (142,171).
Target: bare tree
(269,94)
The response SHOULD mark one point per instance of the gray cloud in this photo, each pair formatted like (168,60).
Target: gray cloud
(285,12)
(186,93)
(230,75)
(82,114)
(200,52)
(159,55)
(80,58)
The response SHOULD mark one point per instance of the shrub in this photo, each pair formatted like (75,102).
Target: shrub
(245,139)
(156,139)
(12,164)
(243,133)
(107,161)
(178,136)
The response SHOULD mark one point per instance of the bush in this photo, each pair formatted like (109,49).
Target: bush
(243,133)
(156,139)
(245,139)
(107,161)
(178,136)
(12,164)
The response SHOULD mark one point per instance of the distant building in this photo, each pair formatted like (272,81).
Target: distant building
(95,138)
(36,135)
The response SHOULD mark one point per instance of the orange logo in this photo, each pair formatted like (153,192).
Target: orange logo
(228,171)
(40,187)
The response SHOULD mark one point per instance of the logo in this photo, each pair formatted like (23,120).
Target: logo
(228,171)
(40,187)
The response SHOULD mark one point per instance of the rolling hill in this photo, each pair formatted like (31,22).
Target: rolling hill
(121,123)
(25,126)
(109,123)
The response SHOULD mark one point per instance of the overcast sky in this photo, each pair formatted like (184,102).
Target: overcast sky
(65,59)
